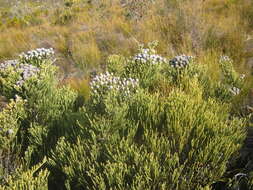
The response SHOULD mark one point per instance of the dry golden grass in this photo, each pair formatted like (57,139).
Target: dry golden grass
(79,85)
(88,33)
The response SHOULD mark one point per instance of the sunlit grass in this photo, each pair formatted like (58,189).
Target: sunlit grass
(86,33)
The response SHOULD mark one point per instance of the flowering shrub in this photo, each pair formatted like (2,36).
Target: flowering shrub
(179,68)
(148,56)
(25,71)
(10,63)
(225,58)
(34,106)
(105,83)
(27,66)
(231,78)
(145,66)
(234,91)
(181,61)
(36,56)
(138,130)
(177,142)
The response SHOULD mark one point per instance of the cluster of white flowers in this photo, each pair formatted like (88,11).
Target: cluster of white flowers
(103,83)
(148,56)
(26,71)
(234,91)
(10,63)
(225,58)
(9,132)
(242,76)
(36,55)
(181,61)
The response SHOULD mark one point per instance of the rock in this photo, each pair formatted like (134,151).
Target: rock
(84,28)
(248,47)
(3,102)
(249,62)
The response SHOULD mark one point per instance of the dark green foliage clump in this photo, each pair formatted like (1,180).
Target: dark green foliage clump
(163,143)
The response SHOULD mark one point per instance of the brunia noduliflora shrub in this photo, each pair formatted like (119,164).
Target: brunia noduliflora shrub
(107,84)
(36,56)
(23,71)
(179,66)
(145,66)
(183,68)
(130,134)
(103,83)
(181,61)
(152,140)
(32,78)
(231,77)
(175,142)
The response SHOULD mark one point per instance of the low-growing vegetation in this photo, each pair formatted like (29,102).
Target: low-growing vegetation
(148,123)
(85,32)
(118,95)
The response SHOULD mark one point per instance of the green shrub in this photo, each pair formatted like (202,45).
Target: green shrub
(176,142)
(9,119)
(129,134)
(14,171)
(45,105)
(145,66)
(27,179)
(180,140)
(116,64)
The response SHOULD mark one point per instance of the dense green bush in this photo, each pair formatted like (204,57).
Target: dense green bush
(146,125)
(32,122)
(151,141)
